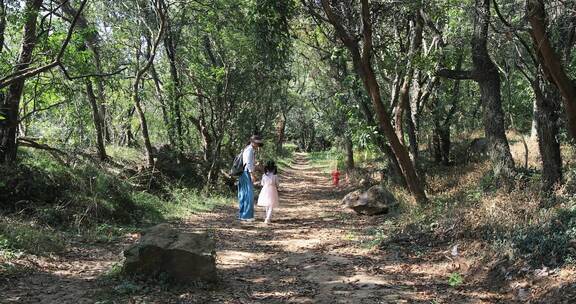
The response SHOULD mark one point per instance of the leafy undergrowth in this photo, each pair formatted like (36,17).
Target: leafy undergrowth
(509,232)
(46,203)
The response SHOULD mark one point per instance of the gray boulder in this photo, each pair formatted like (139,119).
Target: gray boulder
(183,257)
(375,200)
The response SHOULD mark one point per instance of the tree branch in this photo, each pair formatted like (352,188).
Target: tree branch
(43,109)
(456,74)
(29,72)
(70,77)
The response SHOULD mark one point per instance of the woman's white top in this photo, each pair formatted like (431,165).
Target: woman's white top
(248,158)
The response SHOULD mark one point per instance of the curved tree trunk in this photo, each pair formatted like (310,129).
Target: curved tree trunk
(92,42)
(488,79)
(393,167)
(551,62)
(160,96)
(362,62)
(160,10)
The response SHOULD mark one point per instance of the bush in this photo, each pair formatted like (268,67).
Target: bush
(551,243)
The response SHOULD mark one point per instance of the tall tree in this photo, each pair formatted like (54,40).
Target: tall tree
(9,110)
(551,62)
(159,10)
(486,74)
(96,99)
(362,59)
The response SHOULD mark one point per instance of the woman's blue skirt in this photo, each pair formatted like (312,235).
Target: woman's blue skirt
(246,196)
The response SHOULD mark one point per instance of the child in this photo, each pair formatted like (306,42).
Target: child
(269,195)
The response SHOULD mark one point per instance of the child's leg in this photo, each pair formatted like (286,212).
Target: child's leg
(269,210)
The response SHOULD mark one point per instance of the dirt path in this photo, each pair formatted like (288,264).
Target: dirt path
(309,254)
(312,254)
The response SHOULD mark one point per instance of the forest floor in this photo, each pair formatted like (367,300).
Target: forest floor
(311,253)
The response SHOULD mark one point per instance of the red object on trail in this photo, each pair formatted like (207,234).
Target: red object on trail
(335,178)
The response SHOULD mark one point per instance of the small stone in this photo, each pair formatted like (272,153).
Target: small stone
(523,294)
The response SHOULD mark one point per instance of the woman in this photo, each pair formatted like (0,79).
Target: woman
(245,184)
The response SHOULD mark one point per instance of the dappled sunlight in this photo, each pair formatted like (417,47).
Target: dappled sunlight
(312,253)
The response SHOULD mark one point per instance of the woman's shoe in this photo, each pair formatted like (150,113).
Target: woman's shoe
(250,220)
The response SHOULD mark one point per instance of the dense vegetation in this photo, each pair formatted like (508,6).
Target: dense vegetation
(130,112)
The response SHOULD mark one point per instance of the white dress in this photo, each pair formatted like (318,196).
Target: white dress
(269,195)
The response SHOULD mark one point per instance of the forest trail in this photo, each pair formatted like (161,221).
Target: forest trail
(310,254)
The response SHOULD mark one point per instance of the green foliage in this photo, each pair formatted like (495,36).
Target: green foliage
(29,238)
(455,279)
(550,243)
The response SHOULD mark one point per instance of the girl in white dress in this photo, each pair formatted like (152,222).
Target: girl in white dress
(269,195)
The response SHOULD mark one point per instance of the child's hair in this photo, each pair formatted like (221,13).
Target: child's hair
(270,167)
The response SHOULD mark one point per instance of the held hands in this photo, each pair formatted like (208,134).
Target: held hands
(255,182)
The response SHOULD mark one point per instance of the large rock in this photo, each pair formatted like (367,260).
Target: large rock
(183,257)
(375,200)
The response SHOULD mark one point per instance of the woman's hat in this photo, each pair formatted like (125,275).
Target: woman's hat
(256,139)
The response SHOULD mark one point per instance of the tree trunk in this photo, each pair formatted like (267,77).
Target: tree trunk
(175,89)
(160,96)
(551,62)
(393,166)
(434,145)
(403,97)
(100,147)
(414,91)
(489,81)
(10,108)
(2,24)
(412,137)
(92,42)
(143,123)
(534,125)
(127,136)
(445,145)
(203,129)
(160,11)
(363,65)
(349,152)
(400,150)
(280,133)
(547,116)
(441,144)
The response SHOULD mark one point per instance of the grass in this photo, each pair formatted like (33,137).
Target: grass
(326,160)
(45,201)
(16,237)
